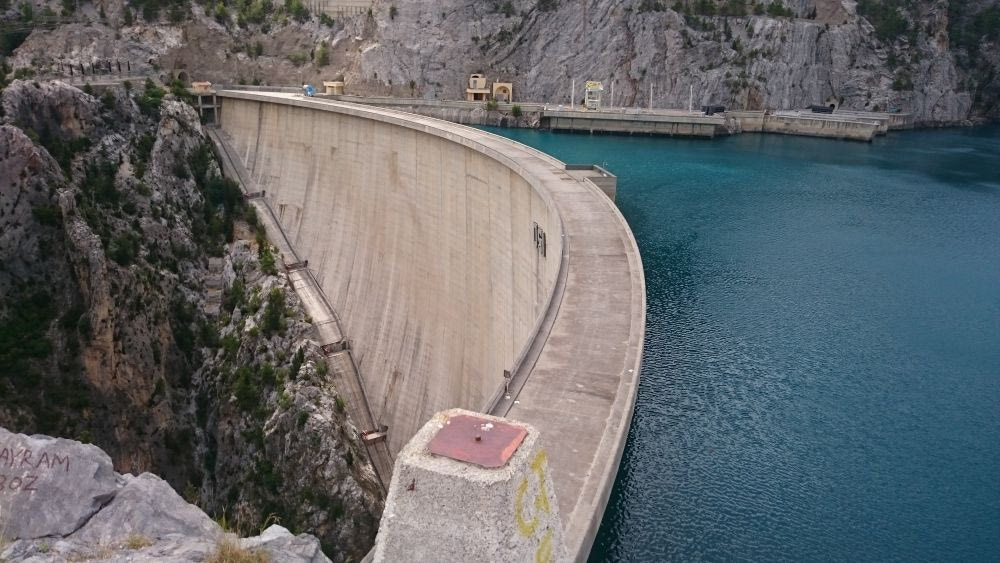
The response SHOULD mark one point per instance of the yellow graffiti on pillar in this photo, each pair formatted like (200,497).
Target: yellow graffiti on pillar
(541,503)
(544,552)
(526,528)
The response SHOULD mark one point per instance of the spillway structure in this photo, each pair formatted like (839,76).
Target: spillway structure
(467,270)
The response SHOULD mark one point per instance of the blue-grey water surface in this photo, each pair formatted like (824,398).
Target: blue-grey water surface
(821,378)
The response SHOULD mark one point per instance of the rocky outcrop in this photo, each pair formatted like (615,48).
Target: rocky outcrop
(751,62)
(141,310)
(775,54)
(62,501)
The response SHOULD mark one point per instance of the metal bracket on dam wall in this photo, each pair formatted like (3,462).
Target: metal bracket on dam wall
(453,256)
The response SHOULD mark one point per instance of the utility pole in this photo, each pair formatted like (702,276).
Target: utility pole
(572,92)
(691,99)
(650,95)
(612,104)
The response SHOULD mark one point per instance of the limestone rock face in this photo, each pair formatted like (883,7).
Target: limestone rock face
(823,51)
(123,518)
(132,316)
(294,549)
(51,487)
(748,62)
(146,505)
(51,108)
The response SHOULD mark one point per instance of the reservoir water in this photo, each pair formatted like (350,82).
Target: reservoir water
(821,378)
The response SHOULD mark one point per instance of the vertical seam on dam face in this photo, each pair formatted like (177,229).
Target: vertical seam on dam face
(441,287)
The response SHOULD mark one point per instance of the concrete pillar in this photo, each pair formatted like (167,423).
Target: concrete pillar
(471,487)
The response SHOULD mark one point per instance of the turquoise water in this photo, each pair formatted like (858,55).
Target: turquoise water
(822,366)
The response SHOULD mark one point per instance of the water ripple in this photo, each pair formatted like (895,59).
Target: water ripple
(822,364)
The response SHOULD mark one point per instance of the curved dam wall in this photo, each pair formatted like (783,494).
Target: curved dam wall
(426,248)
(424,236)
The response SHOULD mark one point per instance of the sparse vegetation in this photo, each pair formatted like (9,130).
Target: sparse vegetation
(886,16)
(902,81)
(152,9)
(137,541)
(151,99)
(322,55)
(297,10)
(229,551)
(274,313)
(970,30)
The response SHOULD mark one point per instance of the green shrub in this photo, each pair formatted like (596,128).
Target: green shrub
(297,10)
(63,150)
(221,14)
(902,81)
(181,318)
(245,389)
(234,296)
(151,99)
(516,111)
(124,249)
(27,12)
(23,334)
(298,58)
(274,313)
(49,215)
(180,91)
(150,9)
(108,100)
(297,361)
(886,17)
(230,345)
(267,260)
(99,183)
(322,55)
(971,30)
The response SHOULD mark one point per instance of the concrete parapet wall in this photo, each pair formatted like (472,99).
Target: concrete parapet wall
(455,111)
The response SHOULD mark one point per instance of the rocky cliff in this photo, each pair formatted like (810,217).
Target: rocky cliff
(935,58)
(62,501)
(141,310)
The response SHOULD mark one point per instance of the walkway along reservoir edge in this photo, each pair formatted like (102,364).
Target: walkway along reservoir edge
(452,256)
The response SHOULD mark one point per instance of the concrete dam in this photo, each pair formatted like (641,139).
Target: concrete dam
(453,257)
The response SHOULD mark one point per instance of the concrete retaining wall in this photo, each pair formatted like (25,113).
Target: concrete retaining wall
(638,123)
(423,245)
(809,125)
